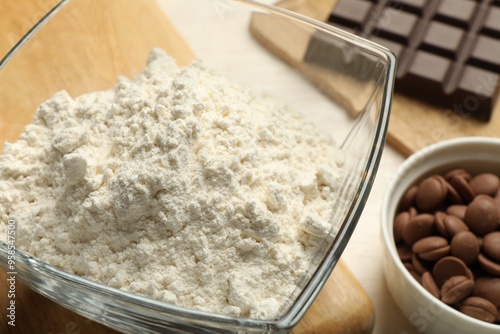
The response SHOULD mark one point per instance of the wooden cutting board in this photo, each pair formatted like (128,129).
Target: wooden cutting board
(413,124)
(341,307)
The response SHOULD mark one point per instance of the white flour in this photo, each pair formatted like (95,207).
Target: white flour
(178,185)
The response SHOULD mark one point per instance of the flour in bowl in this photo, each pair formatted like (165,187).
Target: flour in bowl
(178,185)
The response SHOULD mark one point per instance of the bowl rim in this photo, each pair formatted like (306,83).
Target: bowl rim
(405,170)
(25,38)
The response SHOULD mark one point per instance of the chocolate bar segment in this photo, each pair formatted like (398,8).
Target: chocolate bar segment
(412,6)
(491,26)
(425,73)
(353,13)
(456,12)
(448,50)
(398,26)
(486,53)
(443,39)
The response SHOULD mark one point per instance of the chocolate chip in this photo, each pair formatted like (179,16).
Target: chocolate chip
(479,308)
(439,222)
(458,172)
(482,215)
(408,198)
(453,197)
(418,227)
(431,248)
(404,252)
(402,219)
(416,275)
(491,245)
(430,285)
(462,186)
(413,212)
(431,193)
(488,288)
(485,183)
(449,225)
(456,289)
(497,196)
(457,210)
(447,267)
(488,265)
(465,246)
(454,225)
(418,264)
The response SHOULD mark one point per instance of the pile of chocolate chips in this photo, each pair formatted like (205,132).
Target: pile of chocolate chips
(447,233)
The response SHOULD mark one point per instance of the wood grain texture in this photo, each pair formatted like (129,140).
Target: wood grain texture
(17,17)
(341,307)
(414,124)
(82,55)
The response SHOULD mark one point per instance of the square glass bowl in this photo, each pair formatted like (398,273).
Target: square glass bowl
(82,46)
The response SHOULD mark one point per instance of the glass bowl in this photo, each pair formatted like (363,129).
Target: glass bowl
(117,35)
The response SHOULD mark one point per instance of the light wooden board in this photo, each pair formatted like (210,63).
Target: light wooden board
(341,307)
(89,73)
(413,124)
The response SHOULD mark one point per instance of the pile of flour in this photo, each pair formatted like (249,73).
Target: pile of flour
(178,185)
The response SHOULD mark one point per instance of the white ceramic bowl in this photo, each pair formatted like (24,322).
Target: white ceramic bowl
(425,312)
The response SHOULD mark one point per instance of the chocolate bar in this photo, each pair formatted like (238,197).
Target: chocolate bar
(448,50)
